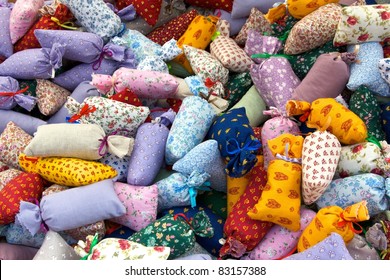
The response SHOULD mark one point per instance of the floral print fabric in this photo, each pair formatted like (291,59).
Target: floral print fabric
(13,141)
(120,249)
(104,21)
(51,97)
(364,104)
(255,21)
(189,128)
(6,48)
(366,72)
(8,175)
(314,30)
(110,114)
(175,232)
(140,203)
(346,191)
(366,23)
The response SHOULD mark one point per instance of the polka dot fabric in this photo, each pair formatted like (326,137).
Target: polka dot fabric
(172,29)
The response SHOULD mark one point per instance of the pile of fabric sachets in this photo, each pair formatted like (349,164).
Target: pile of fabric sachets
(194,129)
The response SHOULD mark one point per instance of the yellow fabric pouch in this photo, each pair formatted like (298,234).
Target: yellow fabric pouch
(70,172)
(333,219)
(281,198)
(236,186)
(328,114)
(197,35)
(301,8)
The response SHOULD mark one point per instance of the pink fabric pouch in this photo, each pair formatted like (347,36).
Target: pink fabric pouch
(144,83)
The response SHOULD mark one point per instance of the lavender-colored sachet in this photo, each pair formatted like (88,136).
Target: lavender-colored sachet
(80,46)
(33,63)
(28,123)
(115,57)
(148,153)
(126,14)
(82,91)
(11,95)
(6,48)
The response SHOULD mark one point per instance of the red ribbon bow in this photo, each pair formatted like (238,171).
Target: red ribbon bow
(86,110)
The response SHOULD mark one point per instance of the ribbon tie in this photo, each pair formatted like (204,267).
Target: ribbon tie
(285,157)
(10,94)
(66,25)
(103,148)
(233,147)
(85,111)
(344,222)
(274,112)
(269,55)
(94,242)
(197,181)
(104,53)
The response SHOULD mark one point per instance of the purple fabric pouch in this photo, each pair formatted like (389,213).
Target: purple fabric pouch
(33,63)
(11,95)
(6,48)
(327,78)
(95,202)
(279,242)
(121,57)
(257,43)
(149,148)
(242,8)
(82,91)
(28,123)
(275,81)
(331,248)
(274,127)
(80,46)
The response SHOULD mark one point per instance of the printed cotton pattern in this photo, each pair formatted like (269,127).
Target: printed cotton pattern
(320,157)
(366,23)
(189,128)
(51,97)
(24,187)
(359,159)
(6,48)
(8,175)
(140,203)
(275,81)
(110,114)
(71,172)
(13,141)
(347,191)
(314,30)
(366,72)
(331,248)
(96,17)
(384,69)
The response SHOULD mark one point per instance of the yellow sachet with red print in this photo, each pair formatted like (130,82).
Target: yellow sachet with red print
(197,35)
(330,115)
(301,8)
(236,186)
(333,219)
(71,172)
(281,198)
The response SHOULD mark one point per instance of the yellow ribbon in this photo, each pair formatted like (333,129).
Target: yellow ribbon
(66,25)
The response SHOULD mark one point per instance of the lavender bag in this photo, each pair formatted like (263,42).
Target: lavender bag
(33,63)
(115,58)
(28,123)
(11,95)
(80,46)
(6,48)
(149,148)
